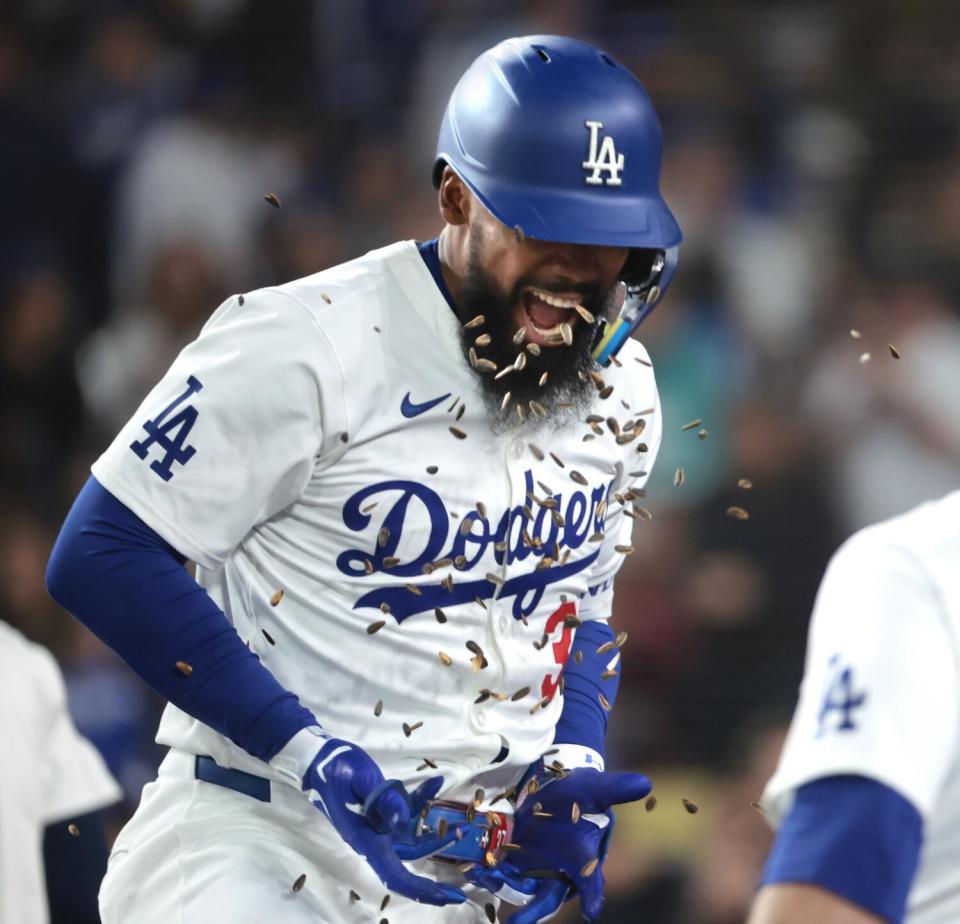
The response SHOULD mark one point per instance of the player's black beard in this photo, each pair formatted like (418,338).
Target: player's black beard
(567,382)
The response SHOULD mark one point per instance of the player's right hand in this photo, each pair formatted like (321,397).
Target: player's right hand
(345,784)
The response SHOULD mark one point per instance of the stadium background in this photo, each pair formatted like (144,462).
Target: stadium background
(811,156)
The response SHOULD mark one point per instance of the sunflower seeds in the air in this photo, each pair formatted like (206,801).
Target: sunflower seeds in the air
(558,460)
(506,370)
(240,299)
(692,425)
(855,334)
(643,513)
(758,807)
(521,413)
(566,331)
(519,336)
(378,708)
(383,537)
(536,408)
(577,477)
(533,348)
(458,433)
(375,627)
(184,668)
(702,434)
(326,298)
(408,730)
(368,566)
(518,234)
(604,702)
(608,675)
(494,578)
(574,813)
(390,561)
(273,199)
(578,656)
(488,908)
(520,694)
(537,453)
(414,589)
(894,352)
(485,365)
(745,483)
(483,340)
(472,356)
(353,896)
(276,598)
(738,513)
(691,807)
(605,393)
(520,363)
(588,868)
(864,358)
(268,637)
(483,697)
(439,614)
(445,659)
(447,583)
(678,476)
(650,804)
(586,315)
(299,882)
(475,322)
(613,426)
(505,401)
(73,830)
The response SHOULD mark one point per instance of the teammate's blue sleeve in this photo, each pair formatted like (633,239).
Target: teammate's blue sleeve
(852,836)
(127,585)
(583,720)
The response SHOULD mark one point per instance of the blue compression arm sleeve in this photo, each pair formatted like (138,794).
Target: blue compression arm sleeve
(129,587)
(854,837)
(583,720)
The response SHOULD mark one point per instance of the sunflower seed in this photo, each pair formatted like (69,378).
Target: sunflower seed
(505,401)
(483,340)
(408,730)
(625,438)
(566,331)
(855,334)
(520,362)
(574,813)
(368,566)
(385,902)
(520,694)
(643,513)
(413,589)
(485,694)
(745,483)
(298,883)
(620,640)
(439,615)
(390,561)
(518,234)
(519,336)
(758,807)
(73,830)
(613,426)
(536,408)
(692,425)
(678,476)
(578,656)
(445,659)
(458,433)
(385,608)
(588,868)
(441,825)
(701,434)
(506,370)
(864,358)
(608,675)
(586,315)
(537,454)
(276,598)
(383,537)
(597,379)
(478,600)
(521,413)
(691,807)
(650,804)
(557,459)
(375,627)
(240,299)
(605,393)
(378,708)
(488,908)
(596,537)
(738,513)
(353,896)
(533,348)
(604,702)
(368,507)
(273,199)
(605,647)
(494,578)
(485,365)
(447,583)
(577,477)
(184,668)
(474,322)
(894,352)
(268,637)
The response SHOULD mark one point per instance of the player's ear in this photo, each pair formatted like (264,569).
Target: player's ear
(454,198)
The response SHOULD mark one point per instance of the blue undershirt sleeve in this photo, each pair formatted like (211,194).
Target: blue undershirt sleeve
(852,836)
(583,720)
(127,585)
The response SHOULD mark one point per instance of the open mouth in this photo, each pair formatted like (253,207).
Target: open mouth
(545,313)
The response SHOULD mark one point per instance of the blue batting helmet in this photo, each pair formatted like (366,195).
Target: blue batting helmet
(561,142)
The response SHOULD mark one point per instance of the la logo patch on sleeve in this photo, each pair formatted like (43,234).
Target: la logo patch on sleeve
(170,433)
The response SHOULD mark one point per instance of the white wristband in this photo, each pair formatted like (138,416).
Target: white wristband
(573,756)
(293,759)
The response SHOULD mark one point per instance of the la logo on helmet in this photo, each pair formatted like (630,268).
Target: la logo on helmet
(606,159)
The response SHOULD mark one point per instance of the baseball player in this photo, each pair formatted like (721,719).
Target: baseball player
(407,483)
(50,778)
(867,792)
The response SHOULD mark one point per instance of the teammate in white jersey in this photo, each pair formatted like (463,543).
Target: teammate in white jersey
(407,483)
(867,793)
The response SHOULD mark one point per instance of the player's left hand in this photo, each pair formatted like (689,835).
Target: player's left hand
(551,840)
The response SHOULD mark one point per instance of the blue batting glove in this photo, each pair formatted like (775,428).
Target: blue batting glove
(344,783)
(552,842)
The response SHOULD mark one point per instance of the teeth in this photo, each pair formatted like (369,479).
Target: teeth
(555,300)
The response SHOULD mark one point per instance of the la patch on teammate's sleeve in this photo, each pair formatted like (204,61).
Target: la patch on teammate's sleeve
(232,432)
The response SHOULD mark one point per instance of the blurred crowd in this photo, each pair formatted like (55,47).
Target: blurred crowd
(811,339)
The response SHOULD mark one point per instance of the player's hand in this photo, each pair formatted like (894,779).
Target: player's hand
(345,784)
(552,842)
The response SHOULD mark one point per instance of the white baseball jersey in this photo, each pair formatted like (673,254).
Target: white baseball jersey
(880,696)
(48,772)
(307,451)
